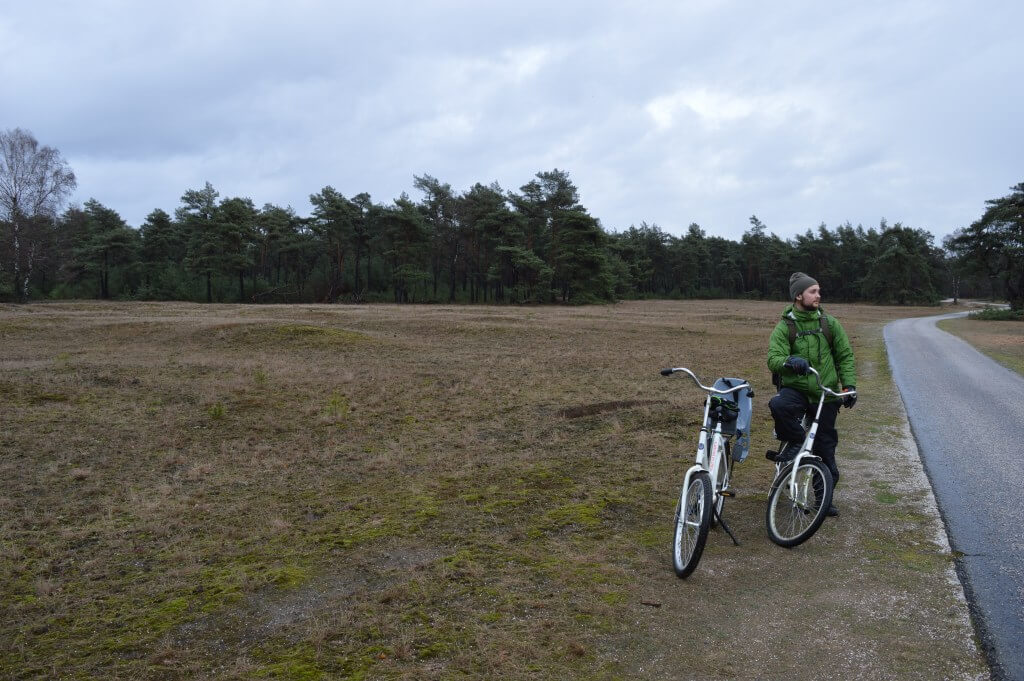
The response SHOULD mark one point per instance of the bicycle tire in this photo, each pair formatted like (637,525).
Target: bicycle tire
(693,518)
(792,521)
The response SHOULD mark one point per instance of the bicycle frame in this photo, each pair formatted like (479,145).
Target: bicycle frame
(707,458)
(808,445)
(710,444)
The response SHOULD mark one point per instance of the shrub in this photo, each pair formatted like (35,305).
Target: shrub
(997,314)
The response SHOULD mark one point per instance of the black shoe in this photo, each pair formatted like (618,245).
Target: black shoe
(832,511)
(788,452)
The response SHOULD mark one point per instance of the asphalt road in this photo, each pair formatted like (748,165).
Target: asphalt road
(967,413)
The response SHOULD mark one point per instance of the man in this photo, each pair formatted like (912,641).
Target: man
(807,337)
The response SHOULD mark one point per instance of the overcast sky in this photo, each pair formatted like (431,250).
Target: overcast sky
(668,112)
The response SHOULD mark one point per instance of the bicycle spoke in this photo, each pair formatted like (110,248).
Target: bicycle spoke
(691,526)
(797,504)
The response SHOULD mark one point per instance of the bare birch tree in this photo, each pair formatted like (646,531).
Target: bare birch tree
(34,183)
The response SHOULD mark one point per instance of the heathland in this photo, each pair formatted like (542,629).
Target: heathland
(420,492)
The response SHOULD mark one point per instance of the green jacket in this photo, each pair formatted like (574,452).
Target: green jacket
(814,348)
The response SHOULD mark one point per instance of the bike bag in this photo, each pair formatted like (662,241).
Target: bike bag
(742,405)
(724,410)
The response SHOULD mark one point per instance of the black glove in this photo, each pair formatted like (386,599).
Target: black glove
(849,400)
(797,364)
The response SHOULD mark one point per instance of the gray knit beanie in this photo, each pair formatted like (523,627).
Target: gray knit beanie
(798,283)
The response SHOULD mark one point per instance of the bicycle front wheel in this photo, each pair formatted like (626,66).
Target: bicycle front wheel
(793,518)
(693,517)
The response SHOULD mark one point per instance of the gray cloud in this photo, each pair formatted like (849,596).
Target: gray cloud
(662,112)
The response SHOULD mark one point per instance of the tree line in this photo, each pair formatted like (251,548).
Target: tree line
(482,245)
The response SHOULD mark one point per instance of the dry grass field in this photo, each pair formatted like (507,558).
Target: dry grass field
(434,492)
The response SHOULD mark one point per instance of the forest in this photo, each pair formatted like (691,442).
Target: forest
(485,244)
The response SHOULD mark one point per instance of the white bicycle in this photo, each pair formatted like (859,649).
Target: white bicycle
(802,490)
(706,483)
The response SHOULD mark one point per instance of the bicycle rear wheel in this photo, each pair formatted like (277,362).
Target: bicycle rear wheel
(793,519)
(693,518)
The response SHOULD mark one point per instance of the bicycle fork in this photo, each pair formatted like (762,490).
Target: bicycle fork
(710,463)
(805,452)
(700,461)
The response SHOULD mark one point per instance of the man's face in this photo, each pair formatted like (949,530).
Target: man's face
(810,298)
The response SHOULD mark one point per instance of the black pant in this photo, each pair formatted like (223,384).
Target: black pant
(788,408)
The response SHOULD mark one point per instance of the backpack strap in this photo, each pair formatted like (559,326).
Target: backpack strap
(792,331)
(824,328)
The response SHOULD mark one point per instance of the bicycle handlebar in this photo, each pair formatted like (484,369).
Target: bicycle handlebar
(826,389)
(812,370)
(670,371)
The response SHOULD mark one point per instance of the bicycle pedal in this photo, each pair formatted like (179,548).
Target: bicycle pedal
(771,455)
(727,493)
